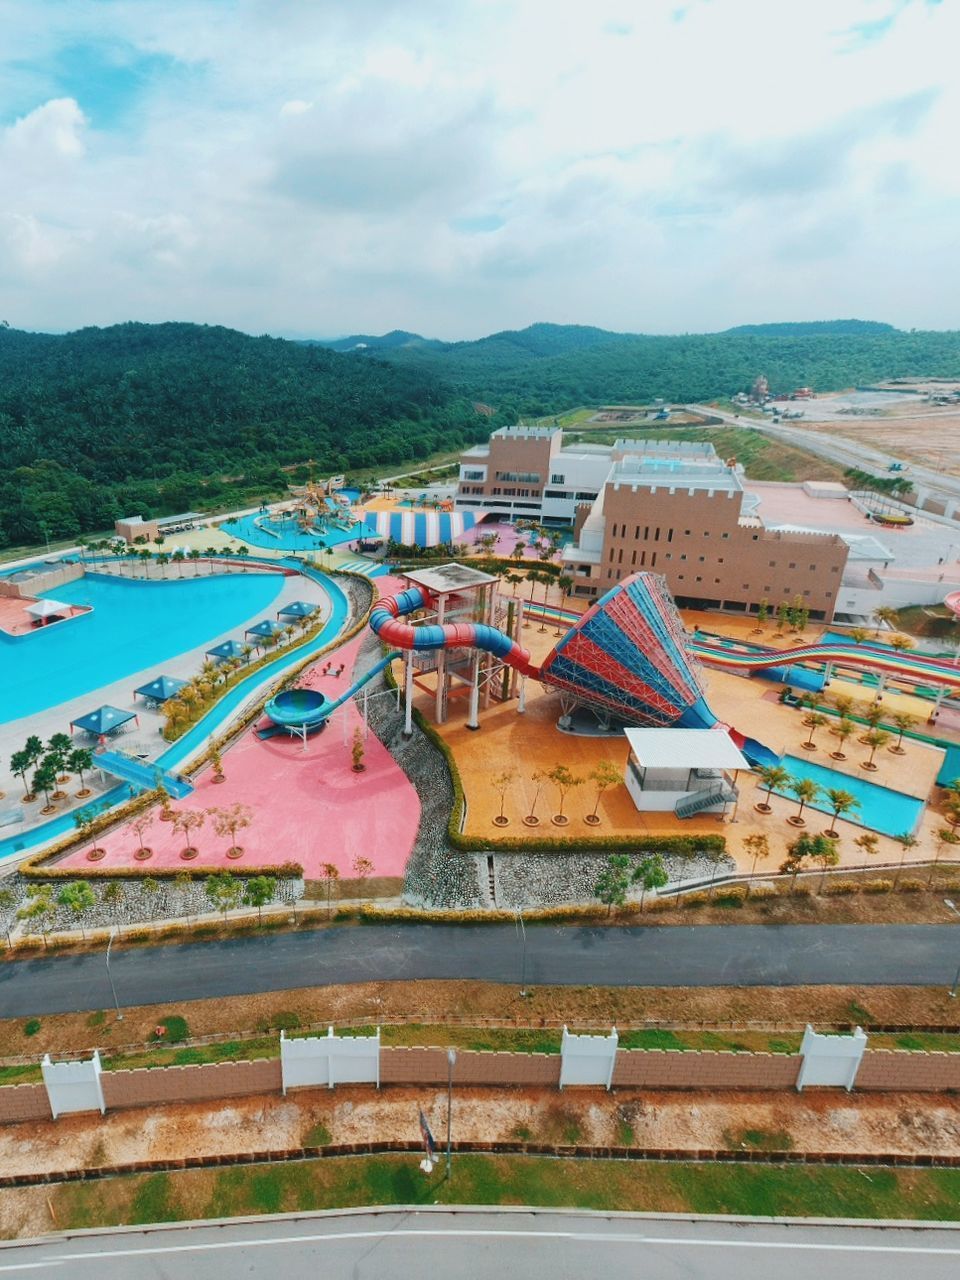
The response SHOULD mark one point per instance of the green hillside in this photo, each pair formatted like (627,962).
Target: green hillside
(157,418)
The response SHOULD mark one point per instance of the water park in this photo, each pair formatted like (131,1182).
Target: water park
(438,728)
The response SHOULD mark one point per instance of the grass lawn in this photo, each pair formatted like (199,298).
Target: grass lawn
(931,621)
(763,457)
(931,1194)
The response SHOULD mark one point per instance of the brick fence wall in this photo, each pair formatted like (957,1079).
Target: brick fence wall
(429,1066)
(156,1086)
(704,1069)
(23,1102)
(901,1069)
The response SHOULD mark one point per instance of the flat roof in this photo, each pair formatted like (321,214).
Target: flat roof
(448,577)
(685,749)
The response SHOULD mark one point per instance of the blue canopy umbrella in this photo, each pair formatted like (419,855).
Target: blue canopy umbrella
(229,649)
(297,609)
(161,689)
(102,721)
(265,628)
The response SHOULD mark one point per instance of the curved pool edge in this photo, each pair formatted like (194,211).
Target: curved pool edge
(180,753)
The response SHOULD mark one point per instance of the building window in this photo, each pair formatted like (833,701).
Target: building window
(791,565)
(724,535)
(522,477)
(701,558)
(474,475)
(669,535)
(557,479)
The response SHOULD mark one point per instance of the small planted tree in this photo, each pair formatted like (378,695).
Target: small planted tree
(114,896)
(228,822)
(868,843)
(944,836)
(763,613)
(841,802)
(44,780)
(774,778)
(613,882)
(564,781)
(151,888)
(825,855)
(907,841)
(875,739)
(184,881)
(650,874)
(21,764)
(537,778)
(216,761)
(77,897)
(783,617)
(58,753)
(604,776)
(39,910)
(901,722)
(502,783)
(139,826)
(806,791)
(78,762)
(85,820)
(873,716)
(841,730)
(331,875)
(357,750)
(259,892)
(758,847)
(185,823)
(805,846)
(362,870)
(224,891)
(816,720)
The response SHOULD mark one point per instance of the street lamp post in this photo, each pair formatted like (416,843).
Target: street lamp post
(956,978)
(116,1002)
(451,1059)
(523,952)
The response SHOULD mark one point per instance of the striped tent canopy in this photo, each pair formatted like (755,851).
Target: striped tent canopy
(421,528)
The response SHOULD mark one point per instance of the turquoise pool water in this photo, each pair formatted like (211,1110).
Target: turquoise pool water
(134,624)
(290,538)
(883,810)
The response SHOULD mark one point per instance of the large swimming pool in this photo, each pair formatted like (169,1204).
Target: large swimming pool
(286,536)
(883,810)
(134,624)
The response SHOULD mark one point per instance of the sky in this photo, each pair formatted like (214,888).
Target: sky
(315,168)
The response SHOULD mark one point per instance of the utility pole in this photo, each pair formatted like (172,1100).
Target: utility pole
(523,952)
(451,1059)
(116,1002)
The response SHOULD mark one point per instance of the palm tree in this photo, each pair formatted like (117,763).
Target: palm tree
(195,555)
(816,720)
(840,802)
(902,722)
(806,791)
(774,778)
(901,643)
(873,715)
(869,843)
(874,739)
(178,559)
(844,704)
(565,583)
(858,635)
(884,615)
(841,730)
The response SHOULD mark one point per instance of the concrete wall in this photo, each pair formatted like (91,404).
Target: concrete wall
(429,1066)
(148,1087)
(19,1102)
(899,1069)
(705,1069)
(47,580)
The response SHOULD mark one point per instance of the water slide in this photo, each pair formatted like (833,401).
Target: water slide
(142,774)
(306,711)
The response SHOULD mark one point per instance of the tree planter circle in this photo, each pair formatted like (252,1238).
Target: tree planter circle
(189,854)
(764,808)
(358,768)
(219,777)
(809,746)
(797,822)
(832,835)
(49,808)
(82,794)
(837,755)
(898,751)
(870,768)
(500,821)
(559,819)
(96,855)
(143,854)
(592,820)
(235,852)
(166,817)
(30,797)
(531,821)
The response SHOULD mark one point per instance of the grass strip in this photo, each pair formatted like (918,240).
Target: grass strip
(801,1191)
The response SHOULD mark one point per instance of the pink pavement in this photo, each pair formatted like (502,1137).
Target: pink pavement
(308,805)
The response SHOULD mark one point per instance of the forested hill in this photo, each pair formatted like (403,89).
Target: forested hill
(143,419)
(549,367)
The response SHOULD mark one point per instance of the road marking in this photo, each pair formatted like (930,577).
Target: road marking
(586,1237)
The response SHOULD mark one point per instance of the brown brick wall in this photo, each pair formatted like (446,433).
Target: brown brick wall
(23,1102)
(429,1066)
(684,1069)
(900,1069)
(146,1087)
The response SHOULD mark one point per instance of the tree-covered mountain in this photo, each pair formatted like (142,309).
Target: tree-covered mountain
(144,419)
(815,328)
(368,342)
(550,367)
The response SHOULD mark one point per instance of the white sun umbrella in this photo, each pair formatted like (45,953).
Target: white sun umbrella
(47,608)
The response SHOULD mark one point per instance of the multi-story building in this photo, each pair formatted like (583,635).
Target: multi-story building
(673,508)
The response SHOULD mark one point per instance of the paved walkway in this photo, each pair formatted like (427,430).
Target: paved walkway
(704,956)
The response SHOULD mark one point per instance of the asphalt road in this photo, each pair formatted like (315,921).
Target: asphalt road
(556,955)
(488,1245)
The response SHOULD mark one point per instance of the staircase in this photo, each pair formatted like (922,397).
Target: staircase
(696,801)
(367,567)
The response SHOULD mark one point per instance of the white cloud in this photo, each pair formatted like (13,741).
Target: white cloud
(460,168)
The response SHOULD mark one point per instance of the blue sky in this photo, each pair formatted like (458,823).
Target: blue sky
(312,167)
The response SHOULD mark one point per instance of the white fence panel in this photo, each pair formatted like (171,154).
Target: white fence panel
(588,1059)
(830,1059)
(329,1060)
(73,1086)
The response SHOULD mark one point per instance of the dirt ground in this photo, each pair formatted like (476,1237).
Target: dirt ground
(926,435)
(479,1004)
(823,1120)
